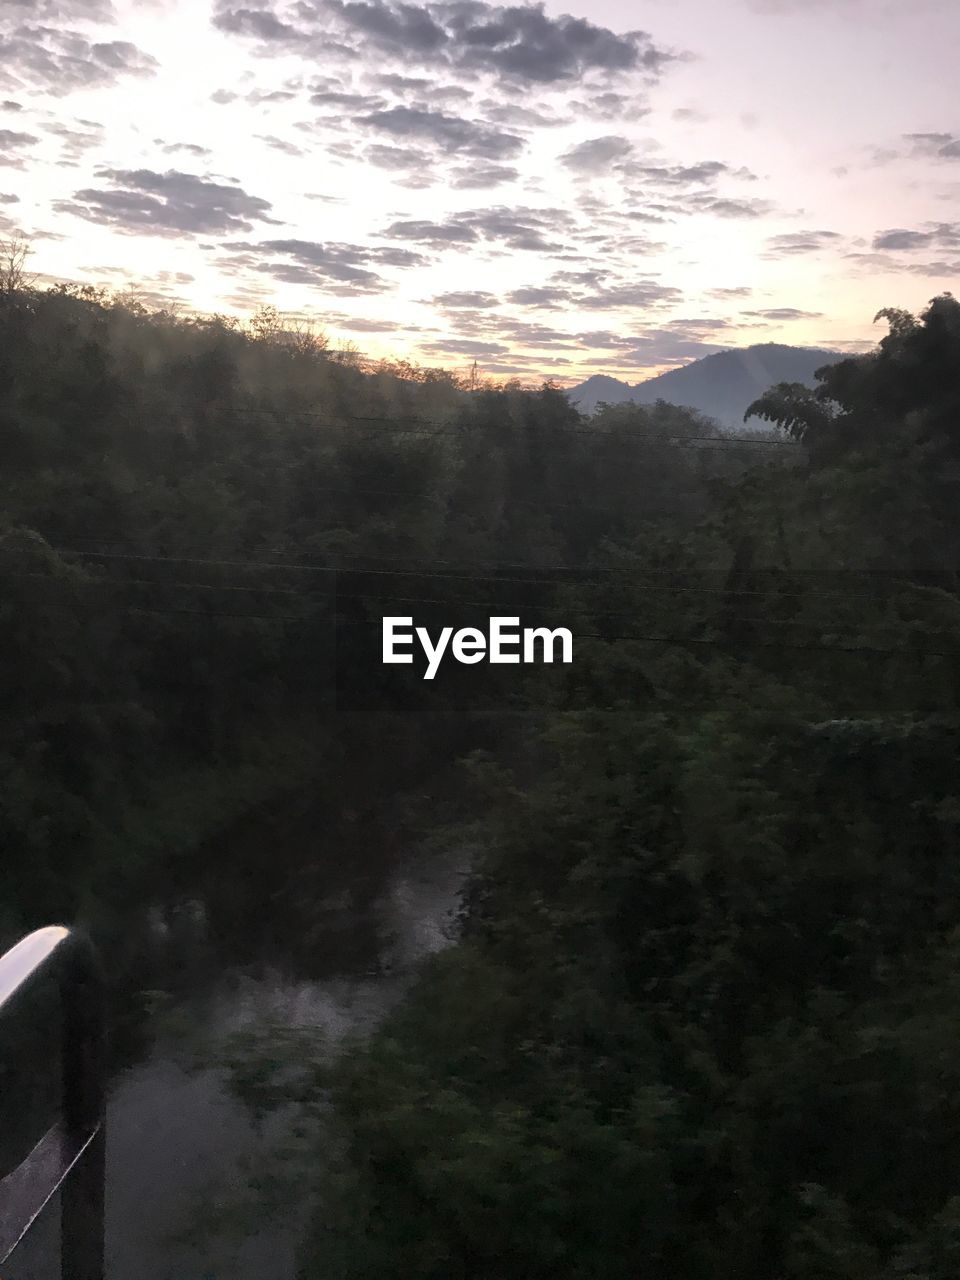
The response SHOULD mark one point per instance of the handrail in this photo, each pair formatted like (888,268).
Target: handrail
(70,1157)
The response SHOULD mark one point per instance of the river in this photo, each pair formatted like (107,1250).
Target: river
(179,1143)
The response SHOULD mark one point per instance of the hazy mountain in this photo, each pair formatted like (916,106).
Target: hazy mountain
(721,385)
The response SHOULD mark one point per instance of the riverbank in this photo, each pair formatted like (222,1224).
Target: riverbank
(185,1156)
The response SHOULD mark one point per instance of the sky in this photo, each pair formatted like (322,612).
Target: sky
(553,190)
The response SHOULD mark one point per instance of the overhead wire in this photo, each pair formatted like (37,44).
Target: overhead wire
(434,574)
(586,612)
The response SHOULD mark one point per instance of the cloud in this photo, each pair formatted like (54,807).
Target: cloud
(943,235)
(61,10)
(731,208)
(483,176)
(75,142)
(520,117)
(438,234)
(700,174)
(940,146)
(738,291)
(143,202)
(465,347)
(401,84)
(597,155)
(384,157)
(403,28)
(465,300)
(535,335)
(798,242)
(644,294)
(919,146)
(189,148)
(448,133)
(690,115)
(516,44)
(316,254)
(347,101)
(12,145)
(282,145)
(542,297)
(258,23)
(518,229)
(603,338)
(344,269)
(667,346)
(357,324)
(10,139)
(615,106)
(785,313)
(61,61)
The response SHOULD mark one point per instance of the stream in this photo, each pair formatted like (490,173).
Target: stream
(178,1141)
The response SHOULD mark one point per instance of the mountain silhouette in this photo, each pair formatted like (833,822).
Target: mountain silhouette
(721,386)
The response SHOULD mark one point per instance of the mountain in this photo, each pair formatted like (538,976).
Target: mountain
(721,386)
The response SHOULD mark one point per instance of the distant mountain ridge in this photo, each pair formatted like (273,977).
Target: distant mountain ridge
(722,385)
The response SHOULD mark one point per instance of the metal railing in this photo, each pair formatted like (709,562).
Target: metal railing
(70,1157)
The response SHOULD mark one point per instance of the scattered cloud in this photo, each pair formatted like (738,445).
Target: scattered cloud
(58,59)
(188,148)
(143,202)
(597,155)
(939,146)
(470,301)
(516,229)
(797,242)
(721,208)
(785,314)
(943,235)
(283,145)
(451,134)
(465,347)
(14,146)
(513,45)
(438,234)
(336,268)
(701,174)
(483,176)
(644,294)
(545,298)
(76,139)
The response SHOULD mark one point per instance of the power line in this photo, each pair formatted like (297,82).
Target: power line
(335,569)
(633,637)
(110,539)
(366,597)
(583,612)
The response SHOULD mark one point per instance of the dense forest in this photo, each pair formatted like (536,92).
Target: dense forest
(700,1016)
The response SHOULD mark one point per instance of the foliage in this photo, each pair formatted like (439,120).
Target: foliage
(700,1020)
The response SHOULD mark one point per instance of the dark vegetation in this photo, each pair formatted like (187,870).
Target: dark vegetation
(702,1017)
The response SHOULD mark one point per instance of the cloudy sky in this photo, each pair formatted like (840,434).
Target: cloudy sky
(560,189)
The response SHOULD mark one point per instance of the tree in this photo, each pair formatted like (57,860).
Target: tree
(13,258)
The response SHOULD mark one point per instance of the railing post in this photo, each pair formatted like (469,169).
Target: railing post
(82,1195)
(70,1157)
